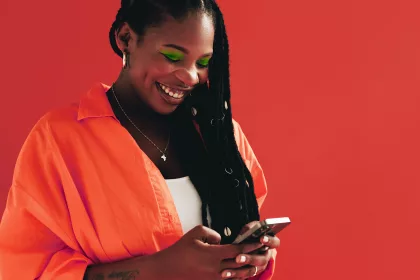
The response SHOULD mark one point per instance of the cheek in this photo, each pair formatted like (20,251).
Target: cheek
(158,71)
(203,76)
(145,76)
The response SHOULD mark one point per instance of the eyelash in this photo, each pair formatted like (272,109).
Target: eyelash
(202,66)
(177,60)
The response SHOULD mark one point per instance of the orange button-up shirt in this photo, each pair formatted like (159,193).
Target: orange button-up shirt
(84,193)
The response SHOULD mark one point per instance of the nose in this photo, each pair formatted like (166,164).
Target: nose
(188,77)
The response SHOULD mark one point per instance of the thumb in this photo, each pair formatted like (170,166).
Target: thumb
(204,234)
(248,227)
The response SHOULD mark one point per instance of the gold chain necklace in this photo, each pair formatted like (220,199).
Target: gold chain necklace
(164,157)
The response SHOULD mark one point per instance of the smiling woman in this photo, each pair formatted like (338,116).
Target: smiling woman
(149,178)
(175,54)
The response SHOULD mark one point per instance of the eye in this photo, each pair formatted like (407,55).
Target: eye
(204,62)
(172,57)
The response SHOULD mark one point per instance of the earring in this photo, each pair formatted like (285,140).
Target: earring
(126,58)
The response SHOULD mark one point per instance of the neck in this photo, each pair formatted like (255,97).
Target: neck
(134,106)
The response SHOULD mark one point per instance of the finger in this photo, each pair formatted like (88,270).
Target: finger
(272,242)
(246,259)
(230,251)
(248,227)
(250,247)
(230,264)
(260,251)
(254,260)
(204,234)
(243,272)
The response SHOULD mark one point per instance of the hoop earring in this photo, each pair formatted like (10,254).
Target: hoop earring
(126,60)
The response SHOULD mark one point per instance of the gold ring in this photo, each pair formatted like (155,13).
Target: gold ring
(256,271)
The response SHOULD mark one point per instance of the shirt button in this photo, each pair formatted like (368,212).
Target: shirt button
(194,111)
(236,183)
(228,170)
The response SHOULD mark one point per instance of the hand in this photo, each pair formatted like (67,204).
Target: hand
(198,255)
(249,264)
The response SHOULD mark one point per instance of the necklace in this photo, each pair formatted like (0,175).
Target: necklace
(145,136)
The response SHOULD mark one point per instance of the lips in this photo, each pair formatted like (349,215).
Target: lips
(168,94)
(172,91)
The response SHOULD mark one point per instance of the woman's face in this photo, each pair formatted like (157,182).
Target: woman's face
(170,61)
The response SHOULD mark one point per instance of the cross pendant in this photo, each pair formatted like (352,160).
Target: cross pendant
(163,157)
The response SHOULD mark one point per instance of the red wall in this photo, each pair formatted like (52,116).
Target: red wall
(327,92)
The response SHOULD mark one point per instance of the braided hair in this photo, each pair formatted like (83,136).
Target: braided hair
(217,170)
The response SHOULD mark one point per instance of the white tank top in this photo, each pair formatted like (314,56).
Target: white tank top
(187,202)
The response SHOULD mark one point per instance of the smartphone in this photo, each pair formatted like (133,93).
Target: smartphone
(265,227)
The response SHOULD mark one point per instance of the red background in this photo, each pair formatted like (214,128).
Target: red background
(327,92)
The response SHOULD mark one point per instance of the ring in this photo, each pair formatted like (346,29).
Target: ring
(256,271)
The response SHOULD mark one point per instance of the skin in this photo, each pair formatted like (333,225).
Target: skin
(150,61)
(243,266)
(173,54)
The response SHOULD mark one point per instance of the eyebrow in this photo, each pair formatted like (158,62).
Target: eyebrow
(182,49)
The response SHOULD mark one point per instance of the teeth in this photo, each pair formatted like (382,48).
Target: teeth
(172,93)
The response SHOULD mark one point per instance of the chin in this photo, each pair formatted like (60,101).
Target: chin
(165,104)
(165,110)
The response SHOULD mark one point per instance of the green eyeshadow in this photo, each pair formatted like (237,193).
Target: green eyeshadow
(204,61)
(173,56)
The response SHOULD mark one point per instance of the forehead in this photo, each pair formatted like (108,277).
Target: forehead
(195,33)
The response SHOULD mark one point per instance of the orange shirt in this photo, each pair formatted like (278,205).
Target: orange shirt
(83,192)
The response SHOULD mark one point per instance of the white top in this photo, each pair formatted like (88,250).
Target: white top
(187,202)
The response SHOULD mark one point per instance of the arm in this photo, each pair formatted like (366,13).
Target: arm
(35,239)
(29,249)
(136,268)
(36,234)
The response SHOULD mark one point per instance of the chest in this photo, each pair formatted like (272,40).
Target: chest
(162,143)
(163,151)
(121,205)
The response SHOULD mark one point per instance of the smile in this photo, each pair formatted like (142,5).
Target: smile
(174,93)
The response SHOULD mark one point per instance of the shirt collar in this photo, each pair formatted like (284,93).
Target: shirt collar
(95,104)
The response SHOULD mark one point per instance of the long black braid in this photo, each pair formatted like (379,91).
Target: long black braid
(217,170)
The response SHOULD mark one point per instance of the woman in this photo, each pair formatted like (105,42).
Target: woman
(149,178)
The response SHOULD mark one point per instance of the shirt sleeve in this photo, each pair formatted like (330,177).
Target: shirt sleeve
(260,188)
(36,240)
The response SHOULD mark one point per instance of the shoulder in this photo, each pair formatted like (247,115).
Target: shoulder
(39,144)
(236,128)
(246,151)
(243,144)
(252,163)
(55,118)
(53,122)
(59,116)
(239,135)
(91,104)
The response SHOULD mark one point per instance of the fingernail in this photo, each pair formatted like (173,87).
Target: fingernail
(228,274)
(241,259)
(265,239)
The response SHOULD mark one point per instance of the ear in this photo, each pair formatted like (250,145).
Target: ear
(125,38)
